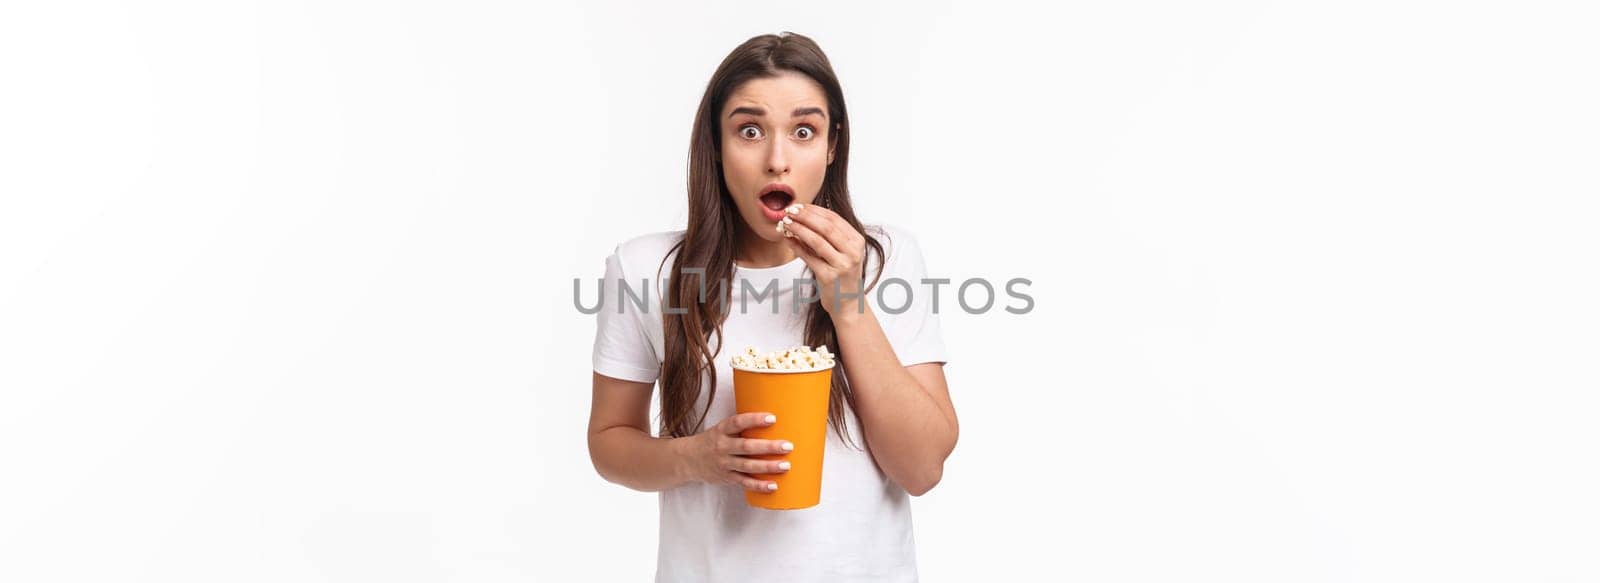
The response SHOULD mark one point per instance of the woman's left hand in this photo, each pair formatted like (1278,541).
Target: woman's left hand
(835,251)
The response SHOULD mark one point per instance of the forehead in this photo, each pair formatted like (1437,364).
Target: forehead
(779,94)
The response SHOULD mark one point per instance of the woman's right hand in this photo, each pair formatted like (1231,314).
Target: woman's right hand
(717,455)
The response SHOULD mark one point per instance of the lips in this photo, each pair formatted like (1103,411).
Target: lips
(774,198)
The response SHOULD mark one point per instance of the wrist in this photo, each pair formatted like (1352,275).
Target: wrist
(851,312)
(678,451)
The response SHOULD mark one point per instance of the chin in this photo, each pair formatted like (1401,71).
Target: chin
(771,235)
(762,228)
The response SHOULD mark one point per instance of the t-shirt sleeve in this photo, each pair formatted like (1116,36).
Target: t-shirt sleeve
(914,332)
(622,349)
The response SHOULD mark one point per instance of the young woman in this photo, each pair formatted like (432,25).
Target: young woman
(771,132)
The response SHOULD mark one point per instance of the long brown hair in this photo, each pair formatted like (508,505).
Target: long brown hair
(711,237)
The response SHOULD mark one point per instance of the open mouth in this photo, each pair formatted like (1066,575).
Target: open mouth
(774,198)
(777,200)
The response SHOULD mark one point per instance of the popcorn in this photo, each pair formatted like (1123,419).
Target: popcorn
(797,358)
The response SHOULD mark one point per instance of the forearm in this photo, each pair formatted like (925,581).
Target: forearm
(909,432)
(625,455)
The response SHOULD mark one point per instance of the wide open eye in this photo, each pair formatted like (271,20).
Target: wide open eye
(750,132)
(804,132)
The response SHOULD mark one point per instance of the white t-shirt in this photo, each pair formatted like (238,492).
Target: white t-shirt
(861,529)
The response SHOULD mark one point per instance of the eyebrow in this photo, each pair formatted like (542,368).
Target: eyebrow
(801,111)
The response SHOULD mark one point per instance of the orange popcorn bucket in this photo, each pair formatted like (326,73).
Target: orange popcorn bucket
(799,398)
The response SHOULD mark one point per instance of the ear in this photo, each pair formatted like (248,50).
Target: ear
(833,140)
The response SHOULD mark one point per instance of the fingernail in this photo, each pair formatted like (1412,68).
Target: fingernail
(788,221)
(771,419)
(783,466)
(787,446)
(772,487)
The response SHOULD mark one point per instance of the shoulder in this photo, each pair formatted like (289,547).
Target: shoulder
(645,254)
(901,249)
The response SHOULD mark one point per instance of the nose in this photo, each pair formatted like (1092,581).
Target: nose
(777,158)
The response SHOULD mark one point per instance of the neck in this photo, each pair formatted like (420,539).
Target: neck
(755,252)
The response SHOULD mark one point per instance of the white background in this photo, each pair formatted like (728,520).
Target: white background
(285,287)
